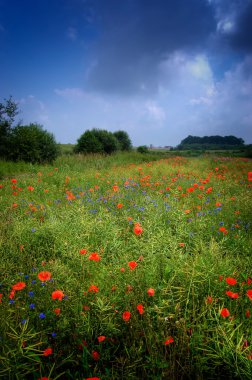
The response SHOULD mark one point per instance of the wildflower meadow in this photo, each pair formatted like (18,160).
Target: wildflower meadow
(123,268)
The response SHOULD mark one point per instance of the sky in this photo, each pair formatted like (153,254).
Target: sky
(158,69)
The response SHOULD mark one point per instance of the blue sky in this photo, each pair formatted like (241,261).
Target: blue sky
(159,69)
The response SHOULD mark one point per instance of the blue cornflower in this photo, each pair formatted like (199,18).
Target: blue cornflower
(32,306)
(54,334)
(42,316)
(31,294)
(11,301)
(23,321)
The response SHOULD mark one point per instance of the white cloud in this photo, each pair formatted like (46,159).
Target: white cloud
(200,68)
(155,112)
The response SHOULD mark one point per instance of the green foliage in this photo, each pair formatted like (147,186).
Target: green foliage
(142,149)
(124,140)
(211,142)
(8,112)
(97,141)
(72,213)
(30,143)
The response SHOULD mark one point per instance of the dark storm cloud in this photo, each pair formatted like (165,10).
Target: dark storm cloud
(136,36)
(238,14)
(242,37)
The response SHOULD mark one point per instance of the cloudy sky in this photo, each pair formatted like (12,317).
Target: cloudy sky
(159,69)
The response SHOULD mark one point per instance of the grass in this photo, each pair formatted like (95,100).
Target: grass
(161,238)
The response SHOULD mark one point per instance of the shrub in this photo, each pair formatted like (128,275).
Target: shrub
(123,140)
(97,141)
(142,149)
(31,143)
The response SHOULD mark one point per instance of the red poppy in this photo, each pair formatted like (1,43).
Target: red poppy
(44,276)
(43,378)
(126,316)
(138,229)
(169,340)
(232,295)
(94,257)
(48,351)
(140,309)
(181,244)
(93,289)
(115,188)
(120,205)
(225,312)
(95,355)
(57,295)
(209,299)
(93,378)
(247,314)
(83,251)
(101,338)
(57,311)
(249,176)
(151,292)
(14,180)
(231,281)
(132,264)
(14,205)
(249,294)
(19,286)
(30,188)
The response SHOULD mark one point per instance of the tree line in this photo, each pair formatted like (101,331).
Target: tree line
(211,142)
(31,143)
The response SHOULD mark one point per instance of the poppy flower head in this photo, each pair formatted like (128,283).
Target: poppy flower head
(19,286)
(57,295)
(224,312)
(93,289)
(95,355)
(169,341)
(138,230)
(126,316)
(83,251)
(151,292)
(48,351)
(231,281)
(249,294)
(57,311)
(140,309)
(101,338)
(94,257)
(44,276)
(132,264)
(232,295)
(249,176)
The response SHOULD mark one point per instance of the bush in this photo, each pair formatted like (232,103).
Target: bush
(123,140)
(142,149)
(31,143)
(97,141)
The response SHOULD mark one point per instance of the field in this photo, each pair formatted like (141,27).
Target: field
(125,268)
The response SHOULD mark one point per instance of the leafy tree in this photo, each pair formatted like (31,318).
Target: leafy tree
(123,140)
(88,143)
(8,112)
(143,149)
(97,141)
(31,143)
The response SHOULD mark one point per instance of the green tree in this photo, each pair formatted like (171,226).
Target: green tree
(8,112)
(142,149)
(123,140)
(31,143)
(88,143)
(97,141)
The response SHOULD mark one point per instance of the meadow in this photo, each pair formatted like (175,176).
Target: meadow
(126,267)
